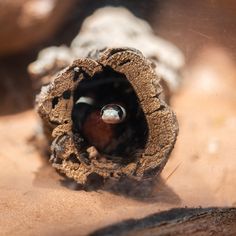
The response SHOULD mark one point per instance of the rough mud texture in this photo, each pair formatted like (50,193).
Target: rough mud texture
(25,23)
(182,221)
(71,154)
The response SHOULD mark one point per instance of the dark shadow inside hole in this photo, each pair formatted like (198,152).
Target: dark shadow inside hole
(117,142)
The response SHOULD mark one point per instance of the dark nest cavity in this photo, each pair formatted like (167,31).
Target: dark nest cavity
(116,142)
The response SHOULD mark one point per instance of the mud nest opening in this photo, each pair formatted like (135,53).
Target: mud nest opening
(119,142)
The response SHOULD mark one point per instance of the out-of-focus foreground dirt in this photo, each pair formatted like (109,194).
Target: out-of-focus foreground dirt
(200,172)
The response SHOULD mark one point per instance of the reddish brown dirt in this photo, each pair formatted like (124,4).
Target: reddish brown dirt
(201,171)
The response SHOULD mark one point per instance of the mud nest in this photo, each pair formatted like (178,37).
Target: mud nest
(83,146)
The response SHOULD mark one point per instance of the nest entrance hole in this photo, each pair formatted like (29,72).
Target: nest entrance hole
(117,142)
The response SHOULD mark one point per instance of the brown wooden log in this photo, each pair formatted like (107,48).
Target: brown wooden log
(140,147)
(182,221)
(113,27)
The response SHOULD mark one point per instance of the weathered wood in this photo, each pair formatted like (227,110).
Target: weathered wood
(196,222)
(138,148)
(113,27)
(71,153)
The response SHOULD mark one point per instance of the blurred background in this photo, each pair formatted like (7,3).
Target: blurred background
(27,26)
(202,167)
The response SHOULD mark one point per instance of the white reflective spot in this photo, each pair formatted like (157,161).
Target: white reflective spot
(87,100)
(110,114)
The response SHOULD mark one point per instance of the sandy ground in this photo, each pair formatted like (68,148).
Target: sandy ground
(200,172)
